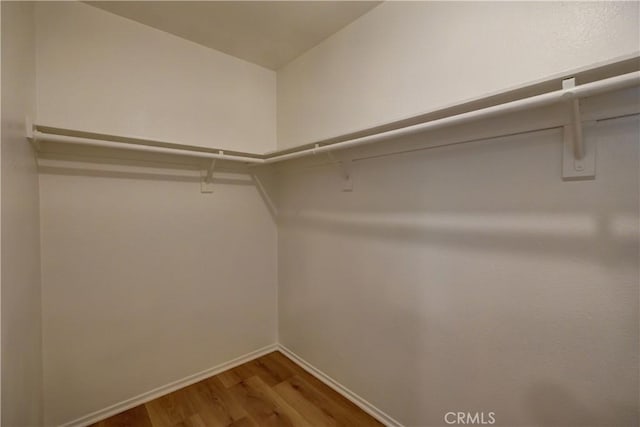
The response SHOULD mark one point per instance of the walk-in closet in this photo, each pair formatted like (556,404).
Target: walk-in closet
(320,213)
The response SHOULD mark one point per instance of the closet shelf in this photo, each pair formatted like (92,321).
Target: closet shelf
(38,136)
(567,94)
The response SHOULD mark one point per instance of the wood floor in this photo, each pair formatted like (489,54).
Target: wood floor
(269,391)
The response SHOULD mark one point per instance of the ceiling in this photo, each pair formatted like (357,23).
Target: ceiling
(267,33)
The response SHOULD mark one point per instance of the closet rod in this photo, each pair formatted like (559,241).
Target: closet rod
(569,94)
(41,136)
(562,95)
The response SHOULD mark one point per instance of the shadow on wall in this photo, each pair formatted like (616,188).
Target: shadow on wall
(73,160)
(194,176)
(110,163)
(569,235)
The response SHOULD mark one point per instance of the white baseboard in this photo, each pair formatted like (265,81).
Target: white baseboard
(168,388)
(351,396)
(191,379)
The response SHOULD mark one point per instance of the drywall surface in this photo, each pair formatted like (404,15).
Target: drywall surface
(21,313)
(147,281)
(407,58)
(102,73)
(470,278)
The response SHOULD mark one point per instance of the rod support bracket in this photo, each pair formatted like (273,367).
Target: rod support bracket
(344,167)
(578,156)
(206,186)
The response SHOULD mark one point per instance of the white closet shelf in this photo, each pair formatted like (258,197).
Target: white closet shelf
(144,145)
(568,94)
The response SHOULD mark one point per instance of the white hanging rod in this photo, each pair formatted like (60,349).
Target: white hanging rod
(562,95)
(41,136)
(581,91)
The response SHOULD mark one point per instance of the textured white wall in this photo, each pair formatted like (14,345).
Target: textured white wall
(407,58)
(103,73)
(470,278)
(21,313)
(146,281)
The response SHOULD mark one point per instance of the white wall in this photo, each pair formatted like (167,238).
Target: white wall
(470,277)
(407,58)
(21,312)
(146,281)
(102,73)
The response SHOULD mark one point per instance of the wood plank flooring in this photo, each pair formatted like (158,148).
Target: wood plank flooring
(269,391)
